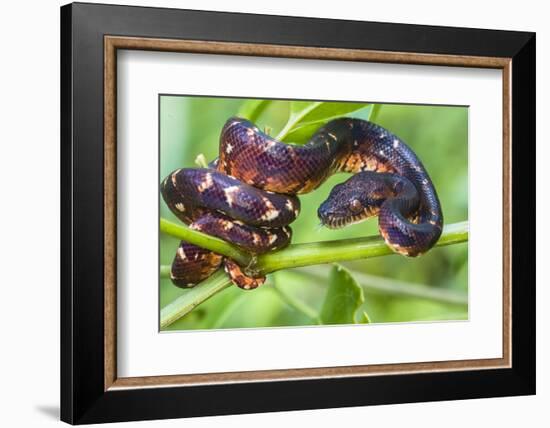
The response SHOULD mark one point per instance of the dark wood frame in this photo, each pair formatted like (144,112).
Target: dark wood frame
(90,389)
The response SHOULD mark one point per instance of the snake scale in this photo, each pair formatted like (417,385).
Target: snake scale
(248,195)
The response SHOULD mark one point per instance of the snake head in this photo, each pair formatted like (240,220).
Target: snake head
(355,200)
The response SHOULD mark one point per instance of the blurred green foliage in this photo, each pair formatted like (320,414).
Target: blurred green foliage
(190,126)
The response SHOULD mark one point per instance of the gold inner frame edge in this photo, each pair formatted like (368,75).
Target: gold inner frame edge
(113,43)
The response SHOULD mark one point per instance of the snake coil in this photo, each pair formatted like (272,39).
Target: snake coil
(248,195)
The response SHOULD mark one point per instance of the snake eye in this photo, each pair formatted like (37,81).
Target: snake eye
(355,206)
(398,187)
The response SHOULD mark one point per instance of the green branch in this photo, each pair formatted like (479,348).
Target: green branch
(193,298)
(205,241)
(316,253)
(295,255)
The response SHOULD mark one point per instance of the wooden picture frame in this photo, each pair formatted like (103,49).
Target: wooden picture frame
(91,391)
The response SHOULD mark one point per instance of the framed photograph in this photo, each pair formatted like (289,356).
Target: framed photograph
(265,213)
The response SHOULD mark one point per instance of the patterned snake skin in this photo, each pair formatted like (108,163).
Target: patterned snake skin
(247,196)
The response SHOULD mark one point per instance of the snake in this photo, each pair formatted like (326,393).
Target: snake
(248,195)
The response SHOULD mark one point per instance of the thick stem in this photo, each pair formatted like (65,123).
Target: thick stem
(315,253)
(293,256)
(205,241)
(193,298)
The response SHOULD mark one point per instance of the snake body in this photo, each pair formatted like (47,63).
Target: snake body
(247,196)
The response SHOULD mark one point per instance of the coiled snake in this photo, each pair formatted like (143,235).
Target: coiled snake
(248,195)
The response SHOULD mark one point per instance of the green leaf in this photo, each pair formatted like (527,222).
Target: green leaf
(306,117)
(252,109)
(302,134)
(343,299)
(320,111)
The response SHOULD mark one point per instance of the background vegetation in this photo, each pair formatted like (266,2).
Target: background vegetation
(389,289)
